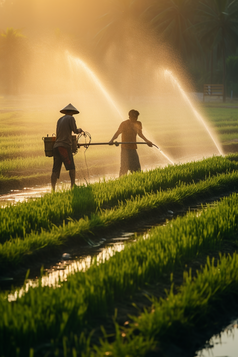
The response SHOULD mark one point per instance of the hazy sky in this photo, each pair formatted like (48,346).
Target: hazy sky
(37,17)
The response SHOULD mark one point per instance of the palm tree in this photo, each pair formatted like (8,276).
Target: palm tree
(112,25)
(118,31)
(172,21)
(217,28)
(12,58)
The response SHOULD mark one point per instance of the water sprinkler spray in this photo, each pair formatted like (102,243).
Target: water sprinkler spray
(176,83)
(78,64)
(163,154)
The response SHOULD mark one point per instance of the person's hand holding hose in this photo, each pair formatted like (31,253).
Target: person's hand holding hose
(149,143)
(80,131)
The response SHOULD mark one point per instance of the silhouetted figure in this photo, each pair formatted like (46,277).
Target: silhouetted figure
(62,150)
(129,129)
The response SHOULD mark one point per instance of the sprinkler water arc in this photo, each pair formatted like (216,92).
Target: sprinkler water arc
(176,83)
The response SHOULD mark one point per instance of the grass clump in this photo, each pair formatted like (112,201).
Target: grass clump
(12,252)
(45,313)
(177,319)
(54,209)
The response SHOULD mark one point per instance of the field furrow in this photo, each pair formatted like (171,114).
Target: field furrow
(47,313)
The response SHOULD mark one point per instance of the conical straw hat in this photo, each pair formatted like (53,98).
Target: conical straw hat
(69,108)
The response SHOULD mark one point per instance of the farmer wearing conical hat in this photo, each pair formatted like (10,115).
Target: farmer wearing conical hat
(129,129)
(62,151)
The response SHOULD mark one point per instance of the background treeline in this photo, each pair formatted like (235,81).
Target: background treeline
(202,34)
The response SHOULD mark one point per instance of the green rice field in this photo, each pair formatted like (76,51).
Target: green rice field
(65,315)
(224,122)
(23,162)
(161,293)
(85,211)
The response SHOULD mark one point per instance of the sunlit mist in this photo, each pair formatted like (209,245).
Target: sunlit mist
(197,115)
(77,66)
(134,71)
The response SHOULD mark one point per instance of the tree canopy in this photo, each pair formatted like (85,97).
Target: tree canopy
(13,59)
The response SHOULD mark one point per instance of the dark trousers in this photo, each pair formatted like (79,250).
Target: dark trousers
(129,161)
(62,155)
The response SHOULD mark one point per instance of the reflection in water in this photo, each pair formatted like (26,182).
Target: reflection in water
(17,196)
(222,345)
(63,269)
(59,273)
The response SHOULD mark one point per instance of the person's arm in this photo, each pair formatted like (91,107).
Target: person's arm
(74,127)
(139,132)
(117,133)
(115,136)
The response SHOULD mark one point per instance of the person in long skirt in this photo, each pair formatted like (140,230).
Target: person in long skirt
(129,129)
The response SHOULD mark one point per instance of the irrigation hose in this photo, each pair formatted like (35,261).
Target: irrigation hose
(116,143)
(86,135)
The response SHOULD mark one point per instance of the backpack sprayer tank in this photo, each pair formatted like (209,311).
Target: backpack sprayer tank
(49,142)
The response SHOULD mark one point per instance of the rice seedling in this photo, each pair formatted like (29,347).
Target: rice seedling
(45,123)
(224,121)
(175,319)
(231,137)
(11,252)
(53,209)
(18,140)
(45,313)
(22,164)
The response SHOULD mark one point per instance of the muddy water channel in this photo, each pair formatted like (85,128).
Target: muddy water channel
(15,196)
(79,259)
(72,263)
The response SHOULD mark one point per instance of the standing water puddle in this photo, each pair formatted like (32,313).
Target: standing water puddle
(223,345)
(16,196)
(59,273)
